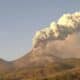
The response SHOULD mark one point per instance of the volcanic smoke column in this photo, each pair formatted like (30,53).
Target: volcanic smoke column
(66,25)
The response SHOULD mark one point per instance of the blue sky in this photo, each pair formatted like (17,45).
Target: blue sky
(20,19)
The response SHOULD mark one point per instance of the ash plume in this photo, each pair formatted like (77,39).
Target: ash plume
(66,25)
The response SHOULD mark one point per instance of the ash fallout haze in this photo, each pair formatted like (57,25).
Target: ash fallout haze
(54,20)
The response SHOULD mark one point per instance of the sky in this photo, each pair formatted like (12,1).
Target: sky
(20,19)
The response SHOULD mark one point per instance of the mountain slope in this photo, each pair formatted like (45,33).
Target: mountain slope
(5,66)
(49,72)
(37,57)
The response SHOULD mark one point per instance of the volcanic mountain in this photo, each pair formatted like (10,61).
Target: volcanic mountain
(39,57)
(51,45)
(53,52)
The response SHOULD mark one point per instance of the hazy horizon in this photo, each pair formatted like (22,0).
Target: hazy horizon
(20,19)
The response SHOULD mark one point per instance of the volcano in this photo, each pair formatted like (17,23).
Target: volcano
(51,47)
